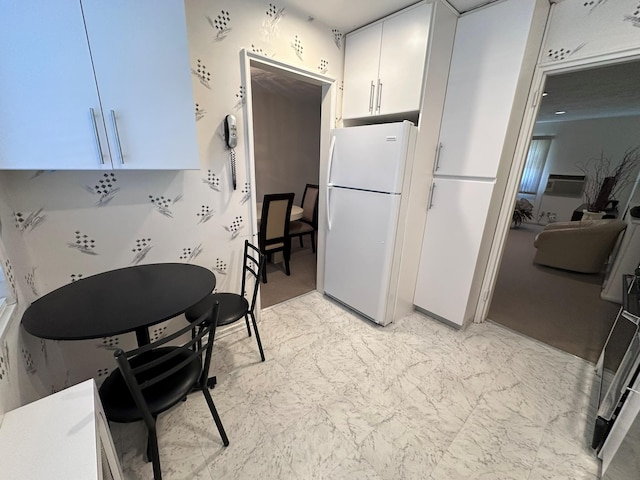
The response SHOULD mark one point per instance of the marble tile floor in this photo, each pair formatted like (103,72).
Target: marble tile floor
(341,398)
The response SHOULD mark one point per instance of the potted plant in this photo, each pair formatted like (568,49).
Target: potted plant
(604,182)
(522,212)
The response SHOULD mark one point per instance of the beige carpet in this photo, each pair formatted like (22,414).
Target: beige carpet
(279,287)
(559,308)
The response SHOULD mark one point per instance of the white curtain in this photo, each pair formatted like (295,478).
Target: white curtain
(537,156)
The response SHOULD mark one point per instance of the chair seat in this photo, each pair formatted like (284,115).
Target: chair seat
(118,403)
(233,307)
(299,227)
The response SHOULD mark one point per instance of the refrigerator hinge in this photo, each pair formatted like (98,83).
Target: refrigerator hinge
(534,103)
(485,296)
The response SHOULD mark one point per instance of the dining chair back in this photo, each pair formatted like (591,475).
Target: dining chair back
(308,224)
(235,306)
(153,378)
(274,228)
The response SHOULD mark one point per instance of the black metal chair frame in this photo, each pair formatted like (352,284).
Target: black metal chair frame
(145,373)
(235,306)
(314,218)
(285,239)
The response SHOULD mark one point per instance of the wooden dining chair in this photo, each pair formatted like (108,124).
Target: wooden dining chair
(308,224)
(274,228)
(153,378)
(235,306)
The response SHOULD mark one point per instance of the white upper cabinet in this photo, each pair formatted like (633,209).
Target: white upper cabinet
(384,64)
(487,61)
(95,85)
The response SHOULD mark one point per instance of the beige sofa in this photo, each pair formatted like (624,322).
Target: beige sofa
(582,246)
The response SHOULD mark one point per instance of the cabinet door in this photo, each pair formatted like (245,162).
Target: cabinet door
(450,247)
(141,60)
(47,89)
(362,56)
(485,67)
(402,58)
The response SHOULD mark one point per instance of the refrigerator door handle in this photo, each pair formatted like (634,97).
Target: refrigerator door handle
(329,184)
(438,150)
(433,188)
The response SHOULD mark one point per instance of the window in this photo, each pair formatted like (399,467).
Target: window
(536,158)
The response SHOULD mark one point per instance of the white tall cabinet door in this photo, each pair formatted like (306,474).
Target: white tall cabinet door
(47,89)
(141,61)
(402,58)
(362,57)
(450,247)
(487,58)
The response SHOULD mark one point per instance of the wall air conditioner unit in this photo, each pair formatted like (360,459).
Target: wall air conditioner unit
(565,185)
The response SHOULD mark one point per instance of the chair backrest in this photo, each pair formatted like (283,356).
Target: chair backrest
(310,204)
(140,375)
(274,225)
(252,269)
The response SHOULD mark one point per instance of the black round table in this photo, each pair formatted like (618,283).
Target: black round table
(118,301)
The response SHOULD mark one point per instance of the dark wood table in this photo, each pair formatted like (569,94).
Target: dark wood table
(118,301)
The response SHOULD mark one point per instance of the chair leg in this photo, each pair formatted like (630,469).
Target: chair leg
(255,328)
(153,452)
(216,417)
(264,274)
(313,241)
(301,244)
(287,255)
(246,320)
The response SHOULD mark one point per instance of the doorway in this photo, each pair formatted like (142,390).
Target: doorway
(289,114)
(583,114)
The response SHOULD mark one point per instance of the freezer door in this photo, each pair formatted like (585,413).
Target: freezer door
(359,249)
(370,157)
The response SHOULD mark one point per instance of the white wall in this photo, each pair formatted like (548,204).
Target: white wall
(286,131)
(41,256)
(581,140)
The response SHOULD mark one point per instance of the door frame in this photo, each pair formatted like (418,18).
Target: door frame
(517,166)
(327,122)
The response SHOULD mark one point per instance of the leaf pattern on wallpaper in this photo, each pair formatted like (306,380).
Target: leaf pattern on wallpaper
(28,361)
(260,51)
(26,223)
(190,253)
(634,18)
(83,243)
(235,226)
(202,73)
(162,204)
(269,27)
(324,66)
(140,250)
(44,351)
(109,343)
(37,173)
(205,214)
(220,267)
(8,275)
(30,278)
(104,189)
(212,180)
(296,44)
(562,53)
(240,96)
(220,24)
(593,4)
(157,333)
(75,277)
(4,367)
(246,193)
(337,37)
(200,112)
(102,372)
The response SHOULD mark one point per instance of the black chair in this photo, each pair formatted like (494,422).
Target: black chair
(274,228)
(308,224)
(153,378)
(235,306)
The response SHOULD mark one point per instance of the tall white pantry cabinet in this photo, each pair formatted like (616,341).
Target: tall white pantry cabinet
(492,66)
(92,85)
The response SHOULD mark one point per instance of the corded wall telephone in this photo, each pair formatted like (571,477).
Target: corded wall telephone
(231,139)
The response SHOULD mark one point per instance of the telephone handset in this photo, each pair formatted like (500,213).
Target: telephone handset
(231,139)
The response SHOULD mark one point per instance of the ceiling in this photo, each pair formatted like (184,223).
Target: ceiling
(610,91)
(285,86)
(349,15)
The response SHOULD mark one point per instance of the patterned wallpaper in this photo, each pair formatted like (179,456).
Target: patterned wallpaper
(584,28)
(60,226)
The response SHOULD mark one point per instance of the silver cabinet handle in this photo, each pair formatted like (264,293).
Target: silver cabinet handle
(438,150)
(379,95)
(433,189)
(95,132)
(371,97)
(115,129)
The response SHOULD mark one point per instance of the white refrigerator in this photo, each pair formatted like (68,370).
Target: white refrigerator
(368,179)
